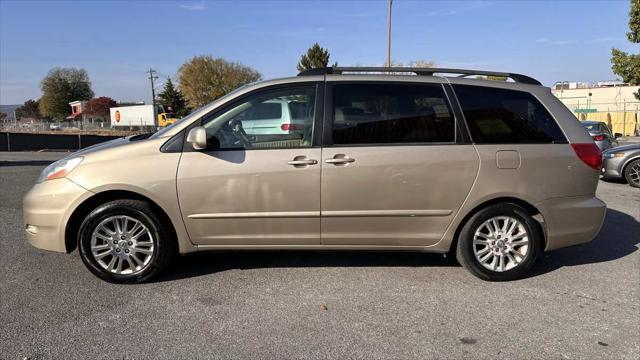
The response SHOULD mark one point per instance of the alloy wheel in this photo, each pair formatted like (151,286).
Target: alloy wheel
(501,243)
(122,245)
(634,173)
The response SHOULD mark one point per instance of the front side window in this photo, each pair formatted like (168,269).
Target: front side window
(500,116)
(391,114)
(273,119)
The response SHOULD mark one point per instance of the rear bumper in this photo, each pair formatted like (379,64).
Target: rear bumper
(572,220)
(46,209)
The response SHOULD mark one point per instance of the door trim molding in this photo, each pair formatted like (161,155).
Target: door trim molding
(386,213)
(311,214)
(253,215)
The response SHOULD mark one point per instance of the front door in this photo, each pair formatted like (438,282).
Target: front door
(393,173)
(254,188)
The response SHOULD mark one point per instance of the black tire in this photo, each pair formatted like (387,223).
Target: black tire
(163,242)
(465,252)
(629,172)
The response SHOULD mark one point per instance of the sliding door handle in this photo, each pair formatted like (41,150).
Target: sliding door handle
(340,159)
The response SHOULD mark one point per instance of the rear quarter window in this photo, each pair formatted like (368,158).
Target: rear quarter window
(498,116)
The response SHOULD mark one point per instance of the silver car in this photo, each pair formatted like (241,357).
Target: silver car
(622,162)
(601,134)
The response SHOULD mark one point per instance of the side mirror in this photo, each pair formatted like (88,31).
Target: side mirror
(617,135)
(197,137)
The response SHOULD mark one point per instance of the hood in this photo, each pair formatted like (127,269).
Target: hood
(111,144)
(623,148)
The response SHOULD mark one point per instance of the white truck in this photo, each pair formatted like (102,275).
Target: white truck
(136,115)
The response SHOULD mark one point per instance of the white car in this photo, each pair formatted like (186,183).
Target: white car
(275,117)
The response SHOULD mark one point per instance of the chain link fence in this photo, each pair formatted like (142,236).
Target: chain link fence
(71,127)
(622,117)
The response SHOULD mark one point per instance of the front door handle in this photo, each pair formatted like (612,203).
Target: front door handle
(340,159)
(302,161)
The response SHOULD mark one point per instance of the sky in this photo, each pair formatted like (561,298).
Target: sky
(118,41)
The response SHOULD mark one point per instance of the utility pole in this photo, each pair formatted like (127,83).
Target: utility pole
(389,35)
(624,117)
(152,77)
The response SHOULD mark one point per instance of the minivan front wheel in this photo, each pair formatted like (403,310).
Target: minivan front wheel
(123,241)
(499,243)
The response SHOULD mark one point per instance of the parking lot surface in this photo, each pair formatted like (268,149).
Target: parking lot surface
(580,302)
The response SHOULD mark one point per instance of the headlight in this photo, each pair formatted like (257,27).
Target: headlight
(612,155)
(59,169)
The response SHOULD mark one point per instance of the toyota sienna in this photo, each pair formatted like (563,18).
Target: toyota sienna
(492,172)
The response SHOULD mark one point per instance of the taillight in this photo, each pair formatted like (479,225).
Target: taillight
(289,127)
(589,154)
(598,138)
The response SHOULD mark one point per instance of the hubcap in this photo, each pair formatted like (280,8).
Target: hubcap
(122,245)
(635,173)
(500,243)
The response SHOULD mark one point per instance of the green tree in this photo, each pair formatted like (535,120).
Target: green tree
(30,109)
(316,57)
(60,87)
(172,99)
(2,116)
(624,64)
(204,78)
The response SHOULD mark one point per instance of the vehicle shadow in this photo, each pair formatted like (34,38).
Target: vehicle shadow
(613,180)
(619,237)
(204,263)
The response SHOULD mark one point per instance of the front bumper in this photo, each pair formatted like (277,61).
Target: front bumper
(611,167)
(46,209)
(572,220)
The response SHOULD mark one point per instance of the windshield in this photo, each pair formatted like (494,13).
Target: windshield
(592,127)
(190,117)
(164,130)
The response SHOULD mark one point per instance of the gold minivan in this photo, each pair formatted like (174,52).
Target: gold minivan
(494,172)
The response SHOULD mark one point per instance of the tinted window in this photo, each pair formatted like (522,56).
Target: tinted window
(596,127)
(391,114)
(265,120)
(505,116)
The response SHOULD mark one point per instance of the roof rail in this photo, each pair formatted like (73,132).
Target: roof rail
(519,78)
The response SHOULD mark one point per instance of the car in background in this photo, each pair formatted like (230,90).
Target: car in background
(275,117)
(601,134)
(622,162)
(55,127)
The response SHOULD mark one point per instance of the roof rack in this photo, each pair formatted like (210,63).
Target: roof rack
(519,78)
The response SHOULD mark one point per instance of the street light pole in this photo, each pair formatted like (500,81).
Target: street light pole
(389,35)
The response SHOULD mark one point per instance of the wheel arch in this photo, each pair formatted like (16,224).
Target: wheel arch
(79,213)
(626,165)
(528,207)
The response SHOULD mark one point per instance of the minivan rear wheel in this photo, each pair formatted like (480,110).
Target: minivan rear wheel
(499,243)
(123,241)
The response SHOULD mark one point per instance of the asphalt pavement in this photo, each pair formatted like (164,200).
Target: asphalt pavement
(581,302)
